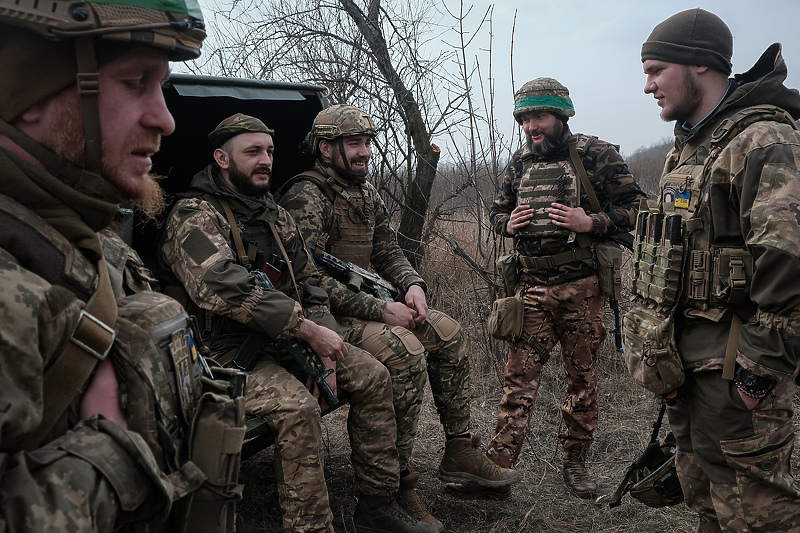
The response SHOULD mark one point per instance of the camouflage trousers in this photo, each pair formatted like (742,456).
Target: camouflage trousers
(275,393)
(735,464)
(435,350)
(570,313)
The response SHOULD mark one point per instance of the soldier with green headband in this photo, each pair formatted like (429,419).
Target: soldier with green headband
(544,206)
(108,418)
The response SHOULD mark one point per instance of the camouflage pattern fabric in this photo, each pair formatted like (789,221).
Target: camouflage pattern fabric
(407,354)
(89,475)
(570,314)
(728,457)
(615,187)
(275,393)
(446,361)
(734,476)
(197,244)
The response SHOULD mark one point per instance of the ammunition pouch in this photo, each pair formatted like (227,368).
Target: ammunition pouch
(507,268)
(506,319)
(651,352)
(609,268)
(657,270)
(194,424)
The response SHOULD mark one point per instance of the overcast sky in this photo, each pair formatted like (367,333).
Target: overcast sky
(593,47)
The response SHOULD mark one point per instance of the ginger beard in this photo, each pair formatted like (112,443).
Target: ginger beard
(69,142)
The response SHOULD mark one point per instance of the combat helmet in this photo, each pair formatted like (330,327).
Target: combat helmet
(652,479)
(340,120)
(64,38)
(543,94)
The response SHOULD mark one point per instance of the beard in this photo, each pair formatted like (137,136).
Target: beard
(686,102)
(244,182)
(550,143)
(69,143)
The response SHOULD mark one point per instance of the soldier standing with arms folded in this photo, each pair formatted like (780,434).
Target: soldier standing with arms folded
(734,179)
(544,206)
(338,211)
(93,436)
(219,239)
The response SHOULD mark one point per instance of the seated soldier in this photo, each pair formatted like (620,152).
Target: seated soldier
(218,239)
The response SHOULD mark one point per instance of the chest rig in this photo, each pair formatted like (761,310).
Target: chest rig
(677,261)
(546,182)
(351,229)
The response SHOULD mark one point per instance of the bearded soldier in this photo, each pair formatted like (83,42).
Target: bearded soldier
(338,211)
(219,240)
(732,184)
(102,393)
(561,194)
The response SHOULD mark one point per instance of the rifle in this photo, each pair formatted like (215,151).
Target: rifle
(356,278)
(301,352)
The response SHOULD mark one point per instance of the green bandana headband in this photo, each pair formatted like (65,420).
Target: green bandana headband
(544,101)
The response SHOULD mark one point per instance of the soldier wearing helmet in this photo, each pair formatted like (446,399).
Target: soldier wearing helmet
(219,239)
(544,206)
(340,212)
(95,435)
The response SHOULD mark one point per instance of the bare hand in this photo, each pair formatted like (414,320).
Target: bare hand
(571,218)
(415,299)
(325,342)
(520,217)
(102,396)
(399,314)
(749,401)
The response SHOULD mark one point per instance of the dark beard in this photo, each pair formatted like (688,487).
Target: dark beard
(244,183)
(550,144)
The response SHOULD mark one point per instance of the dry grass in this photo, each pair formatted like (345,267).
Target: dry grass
(540,502)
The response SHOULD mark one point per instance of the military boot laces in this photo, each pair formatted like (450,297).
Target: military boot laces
(381,514)
(464,462)
(576,477)
(408,500)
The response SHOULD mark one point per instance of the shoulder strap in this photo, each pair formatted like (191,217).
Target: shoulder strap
(577,163)
(238,243)
(89,344)
(286,258)
(326,184)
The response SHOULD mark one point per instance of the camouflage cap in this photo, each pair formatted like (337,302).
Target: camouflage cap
(235,125)
(543,94)
(340,120)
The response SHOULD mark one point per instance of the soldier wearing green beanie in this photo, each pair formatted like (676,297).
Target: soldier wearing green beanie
(733,179)
(555,223)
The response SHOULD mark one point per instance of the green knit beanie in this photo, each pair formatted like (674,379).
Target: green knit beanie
(691,37)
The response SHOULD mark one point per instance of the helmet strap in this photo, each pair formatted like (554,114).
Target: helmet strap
(89,89)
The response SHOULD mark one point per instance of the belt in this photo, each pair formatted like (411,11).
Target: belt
(547,262)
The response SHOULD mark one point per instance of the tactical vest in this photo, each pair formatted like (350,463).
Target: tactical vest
(545,182)
(351,228)
(676,261)
(163,389)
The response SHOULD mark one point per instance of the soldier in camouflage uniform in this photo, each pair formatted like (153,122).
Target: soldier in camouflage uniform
(340,212)
(553,226)
(79,447)
(734,178)
(228,206)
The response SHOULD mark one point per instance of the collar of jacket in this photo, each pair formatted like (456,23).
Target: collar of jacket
(210,180)
(76,216)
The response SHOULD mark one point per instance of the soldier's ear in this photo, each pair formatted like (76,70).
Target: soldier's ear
(222,158)
(325,149)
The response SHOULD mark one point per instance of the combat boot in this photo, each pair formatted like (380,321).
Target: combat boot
(575,474)
(408,500)
(381,514)
(464,462)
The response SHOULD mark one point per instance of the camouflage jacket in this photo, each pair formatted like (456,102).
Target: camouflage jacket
(616,190)
(87,475)
(198,247)
(312,209)
(753,197)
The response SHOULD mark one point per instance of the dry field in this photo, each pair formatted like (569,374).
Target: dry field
(540,502)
